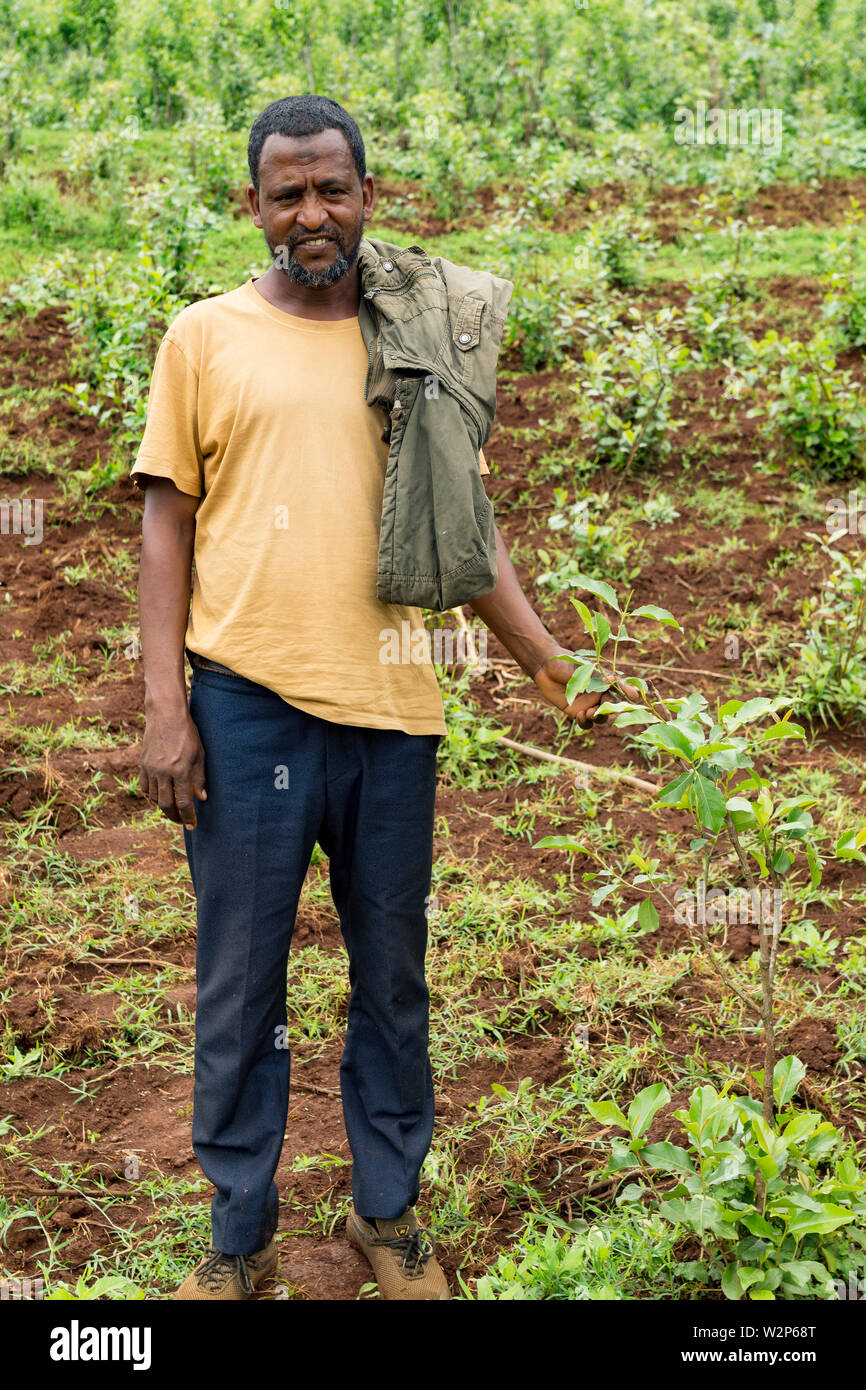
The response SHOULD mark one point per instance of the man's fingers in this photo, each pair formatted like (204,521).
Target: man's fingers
(165,799)
(197,778)
(185,800)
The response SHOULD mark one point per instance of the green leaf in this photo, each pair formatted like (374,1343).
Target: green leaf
(708,802)
(661,615)
(647,915)
(561,842)
(752,709)
(668,737)
(607,1112)
(644,1107)
(578,683)
(831,1218)
(595,586)
(669,1157)
(671,794)
(740,811)
(815,866)
(783,730)
(755,1223)
(586,616)
(847,847)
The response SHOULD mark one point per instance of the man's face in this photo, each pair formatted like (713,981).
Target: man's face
(311,206)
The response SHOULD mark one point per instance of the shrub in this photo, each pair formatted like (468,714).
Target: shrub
(779,1208)
(816,409)
(831,680)
(844,305)
(624,397)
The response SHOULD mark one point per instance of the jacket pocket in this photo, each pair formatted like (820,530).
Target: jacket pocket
(466,335)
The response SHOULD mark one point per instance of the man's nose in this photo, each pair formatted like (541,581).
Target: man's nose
(311,213)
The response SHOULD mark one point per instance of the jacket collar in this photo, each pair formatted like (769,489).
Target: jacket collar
(387,267)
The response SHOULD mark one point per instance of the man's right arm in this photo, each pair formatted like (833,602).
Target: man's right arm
(172,757)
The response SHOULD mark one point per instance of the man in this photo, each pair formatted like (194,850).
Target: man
(263,461)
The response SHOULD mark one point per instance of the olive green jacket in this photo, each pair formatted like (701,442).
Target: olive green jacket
(432,330)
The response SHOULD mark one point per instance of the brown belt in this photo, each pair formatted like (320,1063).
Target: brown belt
(208,665)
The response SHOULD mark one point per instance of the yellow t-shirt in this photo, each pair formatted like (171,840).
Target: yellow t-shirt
(262,414)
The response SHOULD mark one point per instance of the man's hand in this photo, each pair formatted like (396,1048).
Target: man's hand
(552,678)
(172,767)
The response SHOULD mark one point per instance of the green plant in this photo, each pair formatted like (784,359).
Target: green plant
(33,206)
(594,547)
(817,410)
(548,313)
(715,311)
(104,156)
(439,148)
(659,510)
(720,781)
(211,155)
(469,749)
(816,949)
(621,240)
(844,304)
(830,681)
(109,1286)
(624,395)
(778,1207)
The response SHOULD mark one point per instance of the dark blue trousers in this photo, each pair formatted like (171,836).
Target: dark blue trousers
(278,780)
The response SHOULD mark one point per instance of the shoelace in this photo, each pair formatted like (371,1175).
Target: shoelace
(416,1248)
(212,1270)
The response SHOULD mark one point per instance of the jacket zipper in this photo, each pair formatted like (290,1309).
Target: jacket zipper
(373,341)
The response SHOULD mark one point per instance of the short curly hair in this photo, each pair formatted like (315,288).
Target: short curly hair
(304,115)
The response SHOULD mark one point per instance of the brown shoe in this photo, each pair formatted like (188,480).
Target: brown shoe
(222,1276)
(403,1256)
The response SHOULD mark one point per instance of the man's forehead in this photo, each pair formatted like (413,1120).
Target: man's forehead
(282,154)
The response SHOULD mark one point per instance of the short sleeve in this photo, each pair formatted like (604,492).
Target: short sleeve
(170,446)
(482,462)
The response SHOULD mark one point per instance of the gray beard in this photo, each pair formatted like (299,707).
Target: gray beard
(286,261)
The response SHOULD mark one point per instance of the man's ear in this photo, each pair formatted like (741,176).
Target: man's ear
(253,200)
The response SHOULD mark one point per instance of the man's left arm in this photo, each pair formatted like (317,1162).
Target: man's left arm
(509,615)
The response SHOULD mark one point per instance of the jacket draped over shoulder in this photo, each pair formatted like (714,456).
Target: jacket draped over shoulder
(433,331)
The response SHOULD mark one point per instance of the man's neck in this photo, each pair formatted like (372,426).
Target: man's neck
(327,303)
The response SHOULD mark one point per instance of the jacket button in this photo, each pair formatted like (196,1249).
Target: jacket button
(465,338)
(387,265)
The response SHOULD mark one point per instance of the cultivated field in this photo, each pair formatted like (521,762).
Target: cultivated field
(682,420)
